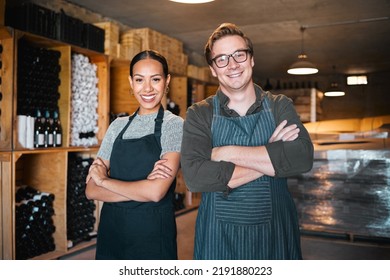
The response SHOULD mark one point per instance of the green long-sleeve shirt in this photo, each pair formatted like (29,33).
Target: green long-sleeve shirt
(203,175)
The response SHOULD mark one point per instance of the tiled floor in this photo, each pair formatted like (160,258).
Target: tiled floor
(313,247)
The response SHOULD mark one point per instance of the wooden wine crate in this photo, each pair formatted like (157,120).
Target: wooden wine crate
(178,64)
(87,155)
(121,99)
(202,74)
(65,75)
(65,92)
(169,47)
(103,75)
(178,93)
(64,88)
(130,45)
(45,172)
(111,37)
(151,39)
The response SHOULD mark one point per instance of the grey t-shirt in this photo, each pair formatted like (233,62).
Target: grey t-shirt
(142,125)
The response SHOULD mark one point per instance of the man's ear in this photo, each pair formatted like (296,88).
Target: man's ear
(212,71)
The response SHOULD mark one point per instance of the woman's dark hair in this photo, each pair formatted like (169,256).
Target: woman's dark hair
(225,29)
(152,54)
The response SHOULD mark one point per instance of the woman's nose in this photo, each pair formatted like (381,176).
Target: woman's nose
(148,86)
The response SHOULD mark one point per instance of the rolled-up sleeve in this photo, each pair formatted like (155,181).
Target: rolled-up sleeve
(291,157)
(200,173)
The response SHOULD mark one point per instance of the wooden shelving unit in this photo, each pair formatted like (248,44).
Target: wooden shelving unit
(44,168)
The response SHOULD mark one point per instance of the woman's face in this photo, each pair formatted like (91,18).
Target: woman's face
(149,85)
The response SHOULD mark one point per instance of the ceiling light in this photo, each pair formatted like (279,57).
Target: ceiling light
(302,66)
(334,90)
(192,1)
(357,80)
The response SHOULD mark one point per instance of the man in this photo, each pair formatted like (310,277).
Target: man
(238,148)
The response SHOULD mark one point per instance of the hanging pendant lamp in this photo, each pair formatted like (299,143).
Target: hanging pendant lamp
(302,66)
(334,90)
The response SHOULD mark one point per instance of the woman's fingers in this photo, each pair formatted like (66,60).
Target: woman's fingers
(160,170)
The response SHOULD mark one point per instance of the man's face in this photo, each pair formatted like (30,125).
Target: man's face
(235,76)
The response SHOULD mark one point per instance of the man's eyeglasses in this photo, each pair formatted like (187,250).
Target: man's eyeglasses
(239,56)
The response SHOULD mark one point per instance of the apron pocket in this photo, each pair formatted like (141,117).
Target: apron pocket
(246,205)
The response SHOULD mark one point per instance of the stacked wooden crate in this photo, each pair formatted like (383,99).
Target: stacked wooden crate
(111,38)
(126,44)
(130,45)
(170,48)
(201,73)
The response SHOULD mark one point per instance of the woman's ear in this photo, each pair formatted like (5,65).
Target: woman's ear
(168,80)
(131,82)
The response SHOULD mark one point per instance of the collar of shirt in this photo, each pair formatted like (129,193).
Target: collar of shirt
(255,108)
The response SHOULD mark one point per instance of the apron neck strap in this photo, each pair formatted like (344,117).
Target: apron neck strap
(159,120)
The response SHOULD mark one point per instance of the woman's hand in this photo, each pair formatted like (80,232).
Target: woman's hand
(160,170)
(98,172)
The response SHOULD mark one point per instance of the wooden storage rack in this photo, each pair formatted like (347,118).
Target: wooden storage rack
(43,168)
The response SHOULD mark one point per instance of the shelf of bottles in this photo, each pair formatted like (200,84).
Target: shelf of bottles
(37,174)
(80,214)
(38,84)
(34,225)
(41,92)
(84,101)
(63,86)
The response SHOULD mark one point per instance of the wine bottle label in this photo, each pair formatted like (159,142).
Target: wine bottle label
(50,139)
(41,139)
(58,139)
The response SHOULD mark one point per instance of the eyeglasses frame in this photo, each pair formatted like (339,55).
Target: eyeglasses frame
(247,51)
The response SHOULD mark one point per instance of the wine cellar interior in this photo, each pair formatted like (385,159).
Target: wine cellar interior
(46,65)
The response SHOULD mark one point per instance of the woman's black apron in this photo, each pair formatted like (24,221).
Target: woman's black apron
(257,220)
(137,230)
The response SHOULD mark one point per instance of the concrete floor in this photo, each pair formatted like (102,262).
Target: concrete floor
(313,247)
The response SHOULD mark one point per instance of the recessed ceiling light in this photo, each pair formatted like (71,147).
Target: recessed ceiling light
(192,1)
(357,80)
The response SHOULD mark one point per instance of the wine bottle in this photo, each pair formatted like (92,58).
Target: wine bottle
(48,130)
(57,131)
(39,134)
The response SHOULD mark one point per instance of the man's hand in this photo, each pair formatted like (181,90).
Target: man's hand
(289,133)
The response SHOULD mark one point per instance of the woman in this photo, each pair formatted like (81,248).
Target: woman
(134,173)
